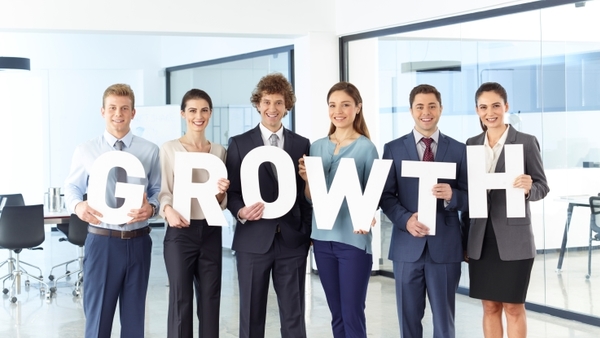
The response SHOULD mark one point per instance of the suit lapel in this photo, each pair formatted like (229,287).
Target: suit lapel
(511,138)
(288,143)
(443,144)
(256,137)
(411,147)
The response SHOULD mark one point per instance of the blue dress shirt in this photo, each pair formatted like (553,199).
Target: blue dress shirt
(84,157)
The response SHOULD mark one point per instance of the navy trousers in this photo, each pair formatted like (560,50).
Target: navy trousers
(344,271)
(439,281)
(115,269)
(193,256)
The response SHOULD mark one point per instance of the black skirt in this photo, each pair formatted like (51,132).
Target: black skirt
(494,279)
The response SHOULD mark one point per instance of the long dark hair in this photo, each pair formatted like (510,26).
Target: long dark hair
(360,125)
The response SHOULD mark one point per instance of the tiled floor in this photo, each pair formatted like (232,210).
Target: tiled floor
(62,316)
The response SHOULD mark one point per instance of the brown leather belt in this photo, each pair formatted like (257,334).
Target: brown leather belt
(119,234)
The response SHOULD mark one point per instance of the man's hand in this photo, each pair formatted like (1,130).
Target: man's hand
(442,191)
(141,214)
(416,228)
(87,213)
(252,212)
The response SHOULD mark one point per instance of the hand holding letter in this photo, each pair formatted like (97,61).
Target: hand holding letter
(416,228)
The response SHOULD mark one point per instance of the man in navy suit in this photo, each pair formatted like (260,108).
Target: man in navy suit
(425,264)
(270,247)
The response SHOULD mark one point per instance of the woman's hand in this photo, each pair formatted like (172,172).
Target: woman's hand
(222,185)
(524,182)
(364,232)
(174,218)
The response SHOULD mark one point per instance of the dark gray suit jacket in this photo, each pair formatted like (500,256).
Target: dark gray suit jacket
(514,235)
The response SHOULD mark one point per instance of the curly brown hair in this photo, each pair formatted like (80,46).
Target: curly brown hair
(274,83)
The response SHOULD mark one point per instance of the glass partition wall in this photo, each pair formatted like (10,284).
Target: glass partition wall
(548,59)
(229,82)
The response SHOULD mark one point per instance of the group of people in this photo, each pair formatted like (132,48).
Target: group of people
(499,249)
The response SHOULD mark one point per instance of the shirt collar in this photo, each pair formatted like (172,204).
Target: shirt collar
(501,141)
(418,136)
(111,139)
(266,133)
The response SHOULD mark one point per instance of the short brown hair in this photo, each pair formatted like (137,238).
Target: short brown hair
(274,83)
(360,125)
(119,89)
(424,89)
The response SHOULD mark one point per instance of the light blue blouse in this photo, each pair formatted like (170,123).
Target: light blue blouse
(364,152)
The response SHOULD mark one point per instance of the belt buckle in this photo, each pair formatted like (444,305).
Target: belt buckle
(126,234)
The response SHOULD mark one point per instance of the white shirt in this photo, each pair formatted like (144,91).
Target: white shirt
(421,145)
(492,154)
(266,133)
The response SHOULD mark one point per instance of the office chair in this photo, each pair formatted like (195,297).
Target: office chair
(9,201)
(76,232)
(594,229)
(22,227)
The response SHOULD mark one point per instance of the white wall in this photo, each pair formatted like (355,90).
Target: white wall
(275,18)
(357,16)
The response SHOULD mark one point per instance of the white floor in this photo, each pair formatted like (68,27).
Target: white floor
(62,316)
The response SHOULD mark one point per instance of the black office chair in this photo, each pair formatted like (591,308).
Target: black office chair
(76,232)
(9,201)
(22,227)
(594,229)
(13,200)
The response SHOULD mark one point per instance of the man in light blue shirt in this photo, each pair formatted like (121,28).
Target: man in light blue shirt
(117,256)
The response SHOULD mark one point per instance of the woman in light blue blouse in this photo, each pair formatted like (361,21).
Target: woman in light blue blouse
(343,256)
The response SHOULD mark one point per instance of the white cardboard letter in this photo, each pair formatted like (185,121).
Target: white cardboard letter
(286,180)
(184,189)
(326,205)
(132,193)
(428,174)
(480,181)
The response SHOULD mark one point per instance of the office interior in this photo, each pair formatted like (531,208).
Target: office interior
(546,54)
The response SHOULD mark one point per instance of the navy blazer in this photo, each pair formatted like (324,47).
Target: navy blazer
(399,202)
(513,235)
(257,236)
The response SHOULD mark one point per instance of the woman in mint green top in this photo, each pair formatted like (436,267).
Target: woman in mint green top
(343,256)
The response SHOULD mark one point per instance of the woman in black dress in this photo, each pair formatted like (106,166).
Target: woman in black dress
(501,250)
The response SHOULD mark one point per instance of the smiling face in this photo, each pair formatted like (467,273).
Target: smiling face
(272,109)
(491,109)
(426,111)
(342,109)
(197,114)
(118,113)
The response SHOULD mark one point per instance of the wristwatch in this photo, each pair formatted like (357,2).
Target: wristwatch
(153,210)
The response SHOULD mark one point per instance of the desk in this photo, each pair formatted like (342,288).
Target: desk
(56,217)
(574,201)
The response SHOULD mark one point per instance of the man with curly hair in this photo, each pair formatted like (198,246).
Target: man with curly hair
(268,248)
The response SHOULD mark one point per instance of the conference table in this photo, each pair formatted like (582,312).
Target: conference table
(574,201)
(58,217)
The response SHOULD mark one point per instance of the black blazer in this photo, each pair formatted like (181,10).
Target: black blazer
(257,236)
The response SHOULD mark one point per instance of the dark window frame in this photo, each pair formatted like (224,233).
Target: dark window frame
(265,52)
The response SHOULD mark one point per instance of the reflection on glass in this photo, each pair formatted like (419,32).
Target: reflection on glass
(230,85)
(552,76)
